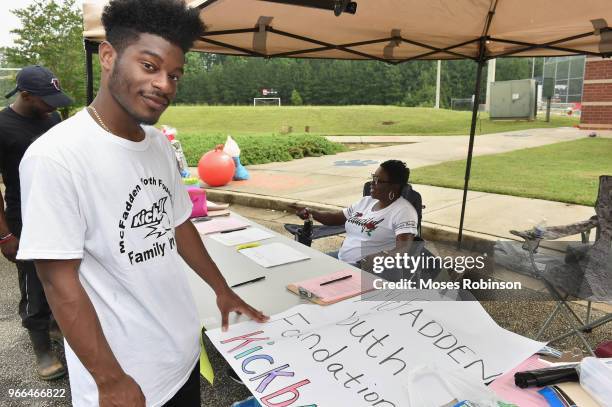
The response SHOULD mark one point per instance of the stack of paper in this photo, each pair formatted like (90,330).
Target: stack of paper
(213,206)
(274,254)
(222,212)
(217,209)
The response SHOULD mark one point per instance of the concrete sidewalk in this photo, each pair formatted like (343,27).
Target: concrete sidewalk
(337,181)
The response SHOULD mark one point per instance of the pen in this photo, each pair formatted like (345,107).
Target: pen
(249,281)
(233,230)
(337,279)
(247,246)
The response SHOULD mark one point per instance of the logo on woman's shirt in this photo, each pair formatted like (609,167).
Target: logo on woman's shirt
(368,225)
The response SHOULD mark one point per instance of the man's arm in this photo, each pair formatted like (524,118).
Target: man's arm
(81,327)
(11,243)
(192,250)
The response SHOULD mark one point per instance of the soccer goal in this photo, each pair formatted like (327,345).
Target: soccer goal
(266,101)
(462,104)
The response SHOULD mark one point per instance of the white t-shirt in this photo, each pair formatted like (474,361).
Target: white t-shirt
(369,231)
(87,194)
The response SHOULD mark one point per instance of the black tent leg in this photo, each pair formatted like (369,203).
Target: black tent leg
(89,51)
(468,165)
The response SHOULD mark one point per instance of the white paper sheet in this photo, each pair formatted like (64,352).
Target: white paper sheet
(274,254)
(238,237)
(359,352)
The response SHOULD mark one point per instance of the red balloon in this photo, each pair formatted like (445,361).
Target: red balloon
(216,168)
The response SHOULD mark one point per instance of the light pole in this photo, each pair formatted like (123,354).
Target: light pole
(438,84)
(490,78)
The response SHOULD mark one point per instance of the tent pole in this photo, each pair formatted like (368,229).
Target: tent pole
(89,69)
(468,165)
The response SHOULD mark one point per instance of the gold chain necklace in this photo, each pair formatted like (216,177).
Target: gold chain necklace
(98,119)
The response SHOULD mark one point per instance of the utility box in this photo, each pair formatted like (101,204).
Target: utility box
(513,100)
(548,89)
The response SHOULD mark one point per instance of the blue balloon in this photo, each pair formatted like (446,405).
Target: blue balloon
(241,173)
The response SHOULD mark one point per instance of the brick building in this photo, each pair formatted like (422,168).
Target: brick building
(597,94)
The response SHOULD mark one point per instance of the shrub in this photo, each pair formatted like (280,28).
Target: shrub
(260,149)
(296,99)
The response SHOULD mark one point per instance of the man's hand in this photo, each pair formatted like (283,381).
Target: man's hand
(229,301)
(192,250)
(9,249)
(123,392)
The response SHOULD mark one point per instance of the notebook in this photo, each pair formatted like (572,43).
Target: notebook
(274,254)
(222,224)
(239,237)
(334,292)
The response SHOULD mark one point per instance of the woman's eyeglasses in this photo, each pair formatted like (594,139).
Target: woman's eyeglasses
(376,180)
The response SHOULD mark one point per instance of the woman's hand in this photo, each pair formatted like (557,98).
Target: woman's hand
(302,212)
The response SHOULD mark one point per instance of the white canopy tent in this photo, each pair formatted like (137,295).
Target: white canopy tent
(394,31)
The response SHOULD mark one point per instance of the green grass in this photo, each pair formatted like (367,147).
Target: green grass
(339,120)
(565,172)
(260,150)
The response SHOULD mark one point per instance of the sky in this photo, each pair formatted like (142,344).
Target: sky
(9,22)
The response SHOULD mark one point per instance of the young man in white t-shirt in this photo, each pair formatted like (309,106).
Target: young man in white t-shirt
(381,221)
(106,222)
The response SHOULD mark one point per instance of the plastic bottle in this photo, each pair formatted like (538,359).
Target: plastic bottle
(308,226)
(305,233)
(540,229)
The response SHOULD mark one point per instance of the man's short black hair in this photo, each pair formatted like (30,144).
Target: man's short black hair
(125,20)
(397,171)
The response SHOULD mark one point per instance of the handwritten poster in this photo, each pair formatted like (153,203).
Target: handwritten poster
(359,352)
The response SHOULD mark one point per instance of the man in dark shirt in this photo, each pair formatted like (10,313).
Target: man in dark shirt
(31,115)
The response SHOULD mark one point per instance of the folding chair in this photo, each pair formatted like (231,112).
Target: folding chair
(320,231)
(585,272)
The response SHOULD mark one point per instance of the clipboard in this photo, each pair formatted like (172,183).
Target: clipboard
(352,288)
(295,289)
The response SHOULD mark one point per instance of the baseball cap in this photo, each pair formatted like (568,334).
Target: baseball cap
(39,81)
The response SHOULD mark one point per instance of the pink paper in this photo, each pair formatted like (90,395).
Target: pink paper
(220,225)
(505,388)
(334,291)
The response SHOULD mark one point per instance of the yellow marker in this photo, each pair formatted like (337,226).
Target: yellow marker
(206,369)
(247,246)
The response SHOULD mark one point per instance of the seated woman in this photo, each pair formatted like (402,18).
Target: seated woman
(382,221)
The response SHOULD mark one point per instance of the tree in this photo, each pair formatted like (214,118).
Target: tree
(7,76)
(513,68)
(296,99)
(194,86)
(51,35)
